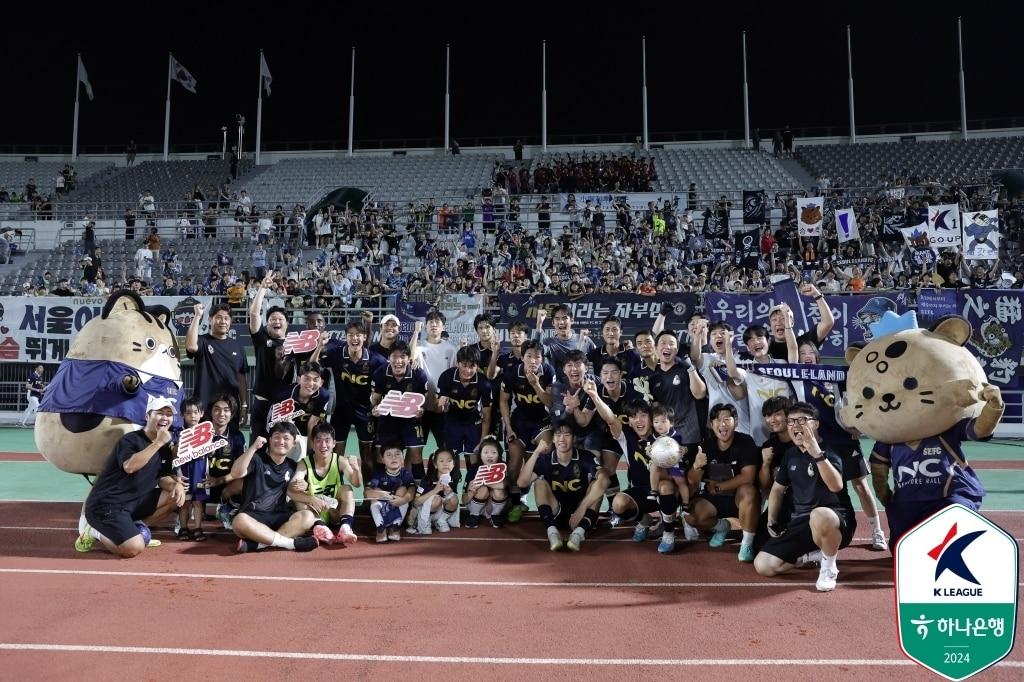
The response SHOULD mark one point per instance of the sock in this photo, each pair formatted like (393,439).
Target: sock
(547,516)
(424,516)
(282,542)
(828,562)
(498,506)
(722,526)
(438,515)
(95,534)
(476,507)
(668,504)
(377,513)
(610,494)
(589,520)
(876,523)
(748,539)
(418,472)
(346,520)
(514,494)
(319,522)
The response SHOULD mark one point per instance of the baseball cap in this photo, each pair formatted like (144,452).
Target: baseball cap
(390,318)
(159,402)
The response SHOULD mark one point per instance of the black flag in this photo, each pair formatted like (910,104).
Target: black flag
(753,207)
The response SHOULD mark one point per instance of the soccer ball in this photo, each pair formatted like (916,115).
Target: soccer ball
(665,452)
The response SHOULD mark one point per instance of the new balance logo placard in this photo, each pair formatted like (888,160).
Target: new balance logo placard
(398,404)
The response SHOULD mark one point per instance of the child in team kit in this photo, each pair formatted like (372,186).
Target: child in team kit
(671,485)
(481,496)
(390,490)
(437,501)
(194,473)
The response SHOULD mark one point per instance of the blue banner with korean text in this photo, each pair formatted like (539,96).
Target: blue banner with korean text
(636,312)
(997,337)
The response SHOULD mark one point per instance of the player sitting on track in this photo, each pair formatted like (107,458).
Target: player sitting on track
(266,519)
(729,477)
(822,516)
(390,490)
(126,491)
(569,485)
(480,496)
(436,499)
(221,487)
(319,485)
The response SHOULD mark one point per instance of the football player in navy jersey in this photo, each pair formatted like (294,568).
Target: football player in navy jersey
(568,486)
(399,376)
(464,395)
(613,347)
(353,366)
(524,411)
(488,345)
(640,377)
(307,399)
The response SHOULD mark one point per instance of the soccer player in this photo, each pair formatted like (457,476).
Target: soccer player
(399,376)
(353,366)
(564,339)
(780,317)
(568,487)
(389,328)
(126,492)
(320,485)
(729,476)
(265,518)
(820,520)
(712,366)
(772,452)
(221,486)
(435,356)
(613,347)
(488,345)
(220,363)
(524,411)
(464,396)
(273,372)
(677,385)
(35,387)
(304,404)
(640,377)
(748,385)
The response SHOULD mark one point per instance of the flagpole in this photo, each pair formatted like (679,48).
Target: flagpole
(447,96)
(259,109)
(167,112)
(352,101)
(544,95)
(963,93)
(74,130)
(746,99)
(643,44)
(849,68)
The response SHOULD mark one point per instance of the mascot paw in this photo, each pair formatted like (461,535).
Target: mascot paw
(131,383)
(991,394)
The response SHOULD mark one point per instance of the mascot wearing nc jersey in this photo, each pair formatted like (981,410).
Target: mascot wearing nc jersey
(920,394)
(114,366)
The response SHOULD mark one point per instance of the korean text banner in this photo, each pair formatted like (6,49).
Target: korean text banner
(588,312)
(997,333)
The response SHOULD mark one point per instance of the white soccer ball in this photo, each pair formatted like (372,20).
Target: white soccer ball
(665,452)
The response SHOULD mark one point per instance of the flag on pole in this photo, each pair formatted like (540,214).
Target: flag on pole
(809,216)
(182,75)
(83,78)
(265,76)
(846,225)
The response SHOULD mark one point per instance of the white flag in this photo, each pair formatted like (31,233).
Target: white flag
(265,76)
(83,78)
(846,225)
(181,74)
(944,224)
(981,235)
(809,216)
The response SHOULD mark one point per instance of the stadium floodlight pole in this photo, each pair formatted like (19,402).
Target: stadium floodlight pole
(963,91)
(849,69)
(259,109)
(643,43)
(74,130)
(447,96)
(352,101)
(544,95)
(746,98)
(167,111)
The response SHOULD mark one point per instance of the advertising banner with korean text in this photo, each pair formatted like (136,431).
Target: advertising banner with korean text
(635,311)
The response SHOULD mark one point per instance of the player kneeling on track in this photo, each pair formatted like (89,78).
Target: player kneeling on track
(569,485)
(125,496)
(729,477)
(822,513)
(390,490)
(266,518)
(487,493)
(436,502)
(319,485)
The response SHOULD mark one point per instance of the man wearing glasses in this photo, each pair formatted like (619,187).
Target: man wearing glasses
(823,517)
(729,477)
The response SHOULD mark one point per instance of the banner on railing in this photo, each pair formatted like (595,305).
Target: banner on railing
(458,309)
(588,312)
(41,329)
(997,337)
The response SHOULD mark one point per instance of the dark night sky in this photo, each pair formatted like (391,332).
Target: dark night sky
(904,68)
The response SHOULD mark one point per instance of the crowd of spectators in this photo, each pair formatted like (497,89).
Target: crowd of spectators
(579,173)
(41,204)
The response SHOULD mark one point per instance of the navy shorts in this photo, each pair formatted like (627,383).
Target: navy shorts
(344,421)
(854,465)
(641,496)
(601,441)
(725,505)
(271,519)
(117,523)
(405,432)
(567,506)
(798,540)
(460,437)
(528,430)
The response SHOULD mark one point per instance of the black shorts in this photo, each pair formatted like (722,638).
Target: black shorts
(854,466)
(343,422)
(529,430)
(567,506)
(461,437)
(601,441)
(117,523)
(797,540)
(643,500)
(271,519)
(725,505)
(407,433)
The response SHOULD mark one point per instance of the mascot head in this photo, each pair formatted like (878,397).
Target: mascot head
(911,383)
(116,363)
